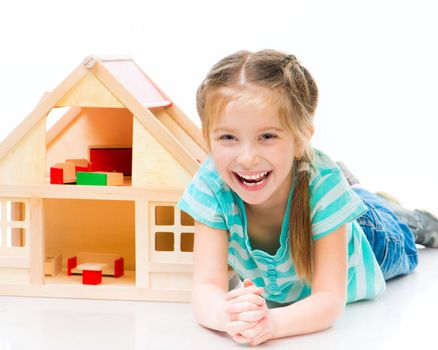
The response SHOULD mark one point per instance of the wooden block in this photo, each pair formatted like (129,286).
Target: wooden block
(83,163)
(80,164)
(69,172)
(114,179)
(80,168)
(111,159)
(56,176)
(91,178)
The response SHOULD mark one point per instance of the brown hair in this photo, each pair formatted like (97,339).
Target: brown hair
(296,95)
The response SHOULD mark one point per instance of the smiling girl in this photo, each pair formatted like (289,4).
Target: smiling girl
(278,212)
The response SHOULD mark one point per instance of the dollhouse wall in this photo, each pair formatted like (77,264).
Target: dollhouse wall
(92,126)
(152,164)
(98,226)
(89,92)
(24,163)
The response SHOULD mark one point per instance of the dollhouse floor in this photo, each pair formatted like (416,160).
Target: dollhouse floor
(128,280)
(404,317)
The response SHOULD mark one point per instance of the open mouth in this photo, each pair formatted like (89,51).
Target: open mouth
(253,180)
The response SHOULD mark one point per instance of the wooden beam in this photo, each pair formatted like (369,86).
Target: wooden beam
(90,61)
(15,262)
(41,110)
(188,125)
(157,193)
(36,241)
(142,244)
(174,268)
(181,134)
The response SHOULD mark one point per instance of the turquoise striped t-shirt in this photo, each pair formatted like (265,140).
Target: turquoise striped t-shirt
(209,200)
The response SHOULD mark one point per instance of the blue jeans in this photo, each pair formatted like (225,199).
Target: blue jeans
(392,241)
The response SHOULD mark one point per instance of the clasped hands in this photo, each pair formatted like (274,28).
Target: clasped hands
(249,317)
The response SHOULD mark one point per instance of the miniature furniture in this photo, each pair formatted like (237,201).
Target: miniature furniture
(52,265)
(107,264)
(91,272)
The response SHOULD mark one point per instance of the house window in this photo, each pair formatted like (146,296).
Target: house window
(187,240)
(15,211)
(164,242)
(14,222)
(172,231)
(15,237)
(164,215)
(186,219)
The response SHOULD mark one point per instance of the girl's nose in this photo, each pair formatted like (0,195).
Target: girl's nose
(248,156)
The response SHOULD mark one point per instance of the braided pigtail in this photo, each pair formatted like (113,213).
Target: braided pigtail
(299,223)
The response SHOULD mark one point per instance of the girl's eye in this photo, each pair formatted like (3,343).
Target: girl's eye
(227,137)
(268,136)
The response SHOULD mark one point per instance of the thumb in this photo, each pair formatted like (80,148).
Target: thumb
(248,283)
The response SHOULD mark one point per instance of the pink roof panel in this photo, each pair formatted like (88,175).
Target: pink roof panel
(138,83)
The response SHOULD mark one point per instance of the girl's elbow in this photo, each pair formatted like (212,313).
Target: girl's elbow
(337,308)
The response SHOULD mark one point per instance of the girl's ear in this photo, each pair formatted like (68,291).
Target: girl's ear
(301,146)
(203,131)
(312,131)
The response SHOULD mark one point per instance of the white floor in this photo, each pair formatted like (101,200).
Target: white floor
(404,317)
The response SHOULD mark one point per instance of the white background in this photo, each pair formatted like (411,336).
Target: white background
(375,62)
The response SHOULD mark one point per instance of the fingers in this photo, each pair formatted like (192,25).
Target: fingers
(243,307)
(236,327)
(248,283)
(251,316)
(259,329)
(241,339)
(263,338)
(246,302)
(243,291)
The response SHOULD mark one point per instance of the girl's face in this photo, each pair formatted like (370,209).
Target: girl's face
(253,151)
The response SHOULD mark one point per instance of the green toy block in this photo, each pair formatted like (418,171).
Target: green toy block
(91,179)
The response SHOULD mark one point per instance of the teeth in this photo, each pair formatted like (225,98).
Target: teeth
(252,184)
(253,177)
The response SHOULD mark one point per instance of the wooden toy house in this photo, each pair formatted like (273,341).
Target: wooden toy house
(115,113)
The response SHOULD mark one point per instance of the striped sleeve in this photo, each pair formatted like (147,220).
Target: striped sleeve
(333,203)
(201,202)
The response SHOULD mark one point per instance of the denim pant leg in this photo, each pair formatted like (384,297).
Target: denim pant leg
(392,241)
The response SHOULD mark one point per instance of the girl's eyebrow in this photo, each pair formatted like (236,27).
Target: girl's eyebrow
(274,128)
(264,129)
(221,129)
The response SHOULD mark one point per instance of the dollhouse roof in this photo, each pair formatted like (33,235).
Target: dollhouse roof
(116,82)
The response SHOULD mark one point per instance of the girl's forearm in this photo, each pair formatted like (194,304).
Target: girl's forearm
(314,313)
(208,305)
